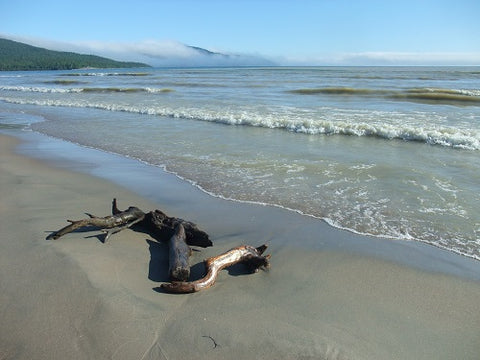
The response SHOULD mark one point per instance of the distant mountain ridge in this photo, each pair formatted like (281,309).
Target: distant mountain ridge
(204,51)
(229,59)
(19,56)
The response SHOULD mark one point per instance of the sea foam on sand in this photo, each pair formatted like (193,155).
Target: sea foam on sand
(323,298)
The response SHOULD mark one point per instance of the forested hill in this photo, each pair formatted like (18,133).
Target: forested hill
(18,56)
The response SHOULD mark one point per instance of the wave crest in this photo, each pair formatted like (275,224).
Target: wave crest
(333,91)
(107,74)
(438,135)
(428,95)
(36,89)
(442,95)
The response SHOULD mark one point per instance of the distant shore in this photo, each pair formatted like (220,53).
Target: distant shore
(17,56)
(329,293)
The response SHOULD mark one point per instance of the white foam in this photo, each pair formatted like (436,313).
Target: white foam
(434,135)
(37,89)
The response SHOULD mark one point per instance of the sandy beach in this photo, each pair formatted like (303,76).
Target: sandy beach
(329,294)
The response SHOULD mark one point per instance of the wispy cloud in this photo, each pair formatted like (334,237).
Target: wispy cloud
(386,58)
(174,53)
(151,49)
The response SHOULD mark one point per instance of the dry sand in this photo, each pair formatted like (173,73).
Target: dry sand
(329,294)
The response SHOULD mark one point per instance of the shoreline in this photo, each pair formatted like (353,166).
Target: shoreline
(150,181)
(329,294)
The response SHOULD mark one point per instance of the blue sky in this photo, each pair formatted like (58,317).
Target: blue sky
(303,32)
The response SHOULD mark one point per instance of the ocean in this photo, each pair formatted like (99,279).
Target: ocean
(392,152)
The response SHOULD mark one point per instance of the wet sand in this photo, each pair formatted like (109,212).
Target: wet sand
(329,294)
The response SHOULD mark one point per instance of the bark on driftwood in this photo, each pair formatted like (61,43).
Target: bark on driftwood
(179,252)
(110,224)
(249,255)
(161,226)
(156,223)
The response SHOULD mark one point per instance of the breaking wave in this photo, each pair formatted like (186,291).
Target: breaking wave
(441,95)
(64,82)
(447,96)
(125,90)
(38,89)
(84,89)
(425,95)
(107,74)
(339,124)
(334,91)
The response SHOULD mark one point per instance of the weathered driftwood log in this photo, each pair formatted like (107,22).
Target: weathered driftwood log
(179,252)
(249,255)
(110,224)
(161,226)
(156,223)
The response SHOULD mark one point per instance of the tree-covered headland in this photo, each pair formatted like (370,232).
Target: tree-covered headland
(18,56)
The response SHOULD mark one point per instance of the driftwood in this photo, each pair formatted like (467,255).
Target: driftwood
(110,224)
(251,256)
(161,226)
(156,223)
(178,269)
(180,234)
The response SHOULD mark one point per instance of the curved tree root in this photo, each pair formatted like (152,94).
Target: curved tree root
(247,254)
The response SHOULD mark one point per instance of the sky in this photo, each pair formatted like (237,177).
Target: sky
(283,32)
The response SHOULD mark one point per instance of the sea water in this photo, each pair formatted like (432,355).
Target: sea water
(386,151)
